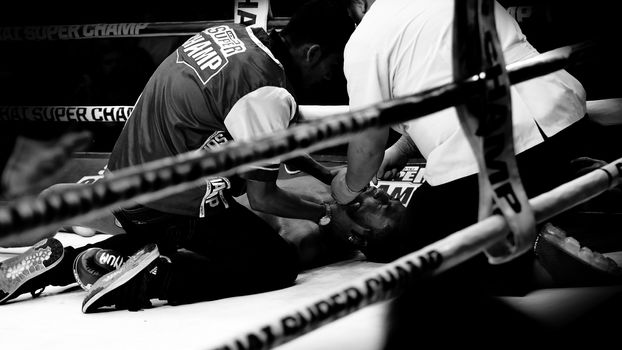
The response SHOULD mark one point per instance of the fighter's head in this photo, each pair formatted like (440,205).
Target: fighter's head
(316,36)
(380,216)
(377,211)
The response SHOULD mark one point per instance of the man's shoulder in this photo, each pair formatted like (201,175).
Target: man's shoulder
(226,49)
(256,67)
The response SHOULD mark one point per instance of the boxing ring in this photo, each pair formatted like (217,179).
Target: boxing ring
(337,306)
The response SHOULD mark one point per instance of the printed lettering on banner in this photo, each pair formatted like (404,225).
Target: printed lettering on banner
(207,52)
(405,183)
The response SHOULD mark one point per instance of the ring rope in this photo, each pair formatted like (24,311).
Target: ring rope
(167,176)
(518,72)
(487,124)
(115,30)
(161,177)
(158,179)
(391,279)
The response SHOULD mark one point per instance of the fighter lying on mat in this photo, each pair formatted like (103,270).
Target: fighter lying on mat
(378,216)
(203,103)
(374,210)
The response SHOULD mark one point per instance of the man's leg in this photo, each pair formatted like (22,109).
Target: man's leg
(61,271)
(57,269)
(233,253)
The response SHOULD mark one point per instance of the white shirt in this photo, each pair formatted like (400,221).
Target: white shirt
(405,46)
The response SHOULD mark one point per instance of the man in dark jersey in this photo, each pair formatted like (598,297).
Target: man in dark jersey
(226,83)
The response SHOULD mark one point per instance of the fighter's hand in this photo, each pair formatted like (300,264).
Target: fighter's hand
(34,165)
(392,163)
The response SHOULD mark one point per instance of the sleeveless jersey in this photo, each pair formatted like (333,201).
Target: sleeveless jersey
(222,84)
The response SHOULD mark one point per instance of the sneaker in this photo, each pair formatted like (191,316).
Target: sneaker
(23,273)
(127,286)
(93,263)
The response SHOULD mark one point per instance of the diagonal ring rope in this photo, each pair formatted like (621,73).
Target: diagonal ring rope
(391,279)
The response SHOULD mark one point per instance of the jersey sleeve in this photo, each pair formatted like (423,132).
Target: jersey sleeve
(259,113)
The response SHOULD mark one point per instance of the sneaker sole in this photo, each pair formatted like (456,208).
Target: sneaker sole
(113,280)
(18,270)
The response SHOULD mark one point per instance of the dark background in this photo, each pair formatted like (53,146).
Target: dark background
(113,71)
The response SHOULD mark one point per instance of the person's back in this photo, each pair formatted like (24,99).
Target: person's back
(411,45)
(185,104)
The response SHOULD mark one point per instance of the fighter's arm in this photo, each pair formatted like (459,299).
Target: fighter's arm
(306,163)
(316,245)
(264,111)
(261,112)
(310,166)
